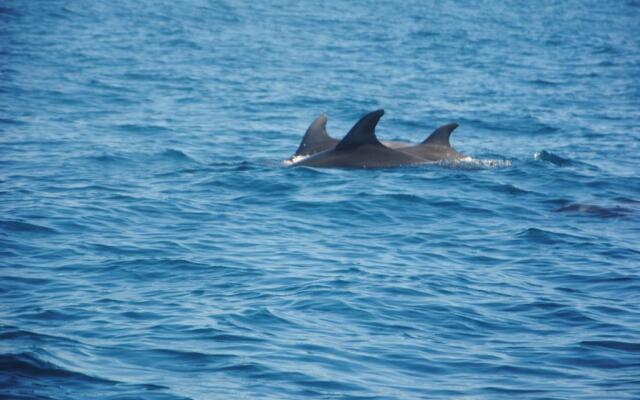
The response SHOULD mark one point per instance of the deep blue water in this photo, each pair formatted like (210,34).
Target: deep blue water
(154,246)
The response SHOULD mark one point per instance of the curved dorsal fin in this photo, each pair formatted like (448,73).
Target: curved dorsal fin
(363,132)
(316,138)
(441,135)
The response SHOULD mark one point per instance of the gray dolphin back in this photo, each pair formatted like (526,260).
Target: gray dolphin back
(360,148)
(437,146)
(440,136)
(316,138)
(363,132)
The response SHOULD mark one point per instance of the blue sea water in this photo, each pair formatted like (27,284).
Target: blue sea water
(154,246)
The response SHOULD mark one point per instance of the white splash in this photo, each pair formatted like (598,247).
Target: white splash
(476,163)
(295,159)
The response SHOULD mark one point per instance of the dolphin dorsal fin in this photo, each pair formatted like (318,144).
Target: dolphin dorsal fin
(316,138)
(363,132)
(441,135)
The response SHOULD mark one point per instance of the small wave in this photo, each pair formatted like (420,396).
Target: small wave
(546,129)
(568,315)
(10,121)
(245,368)
(598,211)
(27,364)
(552,158)
(134,128)
(543,82)
(176,155)
(10,333)
(109,159)
(534,306)
(26,368)
(546,237)
(262,317)
(613,345)
(23,280)
(8,11)
(168,155)
(627,200)
(510,189)
(18,226)
(180,360)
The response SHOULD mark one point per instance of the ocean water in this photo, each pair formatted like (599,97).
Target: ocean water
(154,246)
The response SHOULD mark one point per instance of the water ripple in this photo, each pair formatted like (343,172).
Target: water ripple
(154,246)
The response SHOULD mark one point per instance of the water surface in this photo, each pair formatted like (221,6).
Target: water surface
(154,246)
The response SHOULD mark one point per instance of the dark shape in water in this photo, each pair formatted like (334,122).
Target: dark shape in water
(599,211)
(316,139)
(360,148)
(437,146)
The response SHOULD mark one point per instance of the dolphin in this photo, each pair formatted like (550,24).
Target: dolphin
(316,139)
(437,146)
(360,148)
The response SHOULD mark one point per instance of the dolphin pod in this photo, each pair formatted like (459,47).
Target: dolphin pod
(360,148)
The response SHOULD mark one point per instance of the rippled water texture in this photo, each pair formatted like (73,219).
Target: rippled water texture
(154,246)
